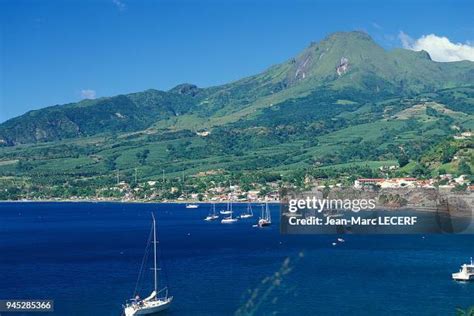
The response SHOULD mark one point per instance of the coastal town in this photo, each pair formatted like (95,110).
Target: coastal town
(447,168)
(152,190)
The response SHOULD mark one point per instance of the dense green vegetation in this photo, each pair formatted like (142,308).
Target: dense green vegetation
(386,109)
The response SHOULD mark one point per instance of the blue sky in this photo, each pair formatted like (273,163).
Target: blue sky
(55,52)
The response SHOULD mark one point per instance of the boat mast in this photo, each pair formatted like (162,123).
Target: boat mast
(230,198)
(154,252)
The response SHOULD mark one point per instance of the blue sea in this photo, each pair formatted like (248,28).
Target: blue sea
(86,256)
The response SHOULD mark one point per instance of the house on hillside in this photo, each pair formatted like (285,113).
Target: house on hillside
(360,183)
(386,183)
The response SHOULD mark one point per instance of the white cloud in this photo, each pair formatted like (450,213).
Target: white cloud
(88,94)
(440,48)
(119,4)
(406,40)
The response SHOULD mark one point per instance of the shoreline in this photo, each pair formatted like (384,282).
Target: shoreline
(134,202)
(386,208)
(418,209)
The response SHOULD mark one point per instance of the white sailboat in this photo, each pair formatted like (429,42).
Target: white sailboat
(212,215)
(248,213)
(228,210)
(188,205)
(265,218)
(229,219)
(158,300)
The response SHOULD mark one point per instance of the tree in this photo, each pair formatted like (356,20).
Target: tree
(420,170)
(464,168)
(447,153)
(110,162)
(142,156)
(403,161)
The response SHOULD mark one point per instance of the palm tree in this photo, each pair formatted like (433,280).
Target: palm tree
(467,312)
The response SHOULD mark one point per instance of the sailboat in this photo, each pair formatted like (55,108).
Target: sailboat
(212,215)
(229,219)
(265,218)
(188,205)
(154,303)
(248,213)
(228,210)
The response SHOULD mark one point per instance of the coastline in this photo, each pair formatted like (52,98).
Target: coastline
(133,202)
(423,209)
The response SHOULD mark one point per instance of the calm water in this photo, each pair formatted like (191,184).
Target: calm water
(86,256)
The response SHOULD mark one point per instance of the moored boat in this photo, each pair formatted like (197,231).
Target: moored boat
(158,300)
(229,210)
(265,218)
(229,219)
(212,215)
(248,212)
(466,273)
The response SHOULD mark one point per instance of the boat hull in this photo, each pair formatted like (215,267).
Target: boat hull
(228,221)
(151,310)
(462,277)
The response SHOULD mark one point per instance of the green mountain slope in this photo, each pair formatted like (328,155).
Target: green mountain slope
(342,108)
(343,61)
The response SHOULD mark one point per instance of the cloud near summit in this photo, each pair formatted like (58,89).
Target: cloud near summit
(88,94)
(440,48)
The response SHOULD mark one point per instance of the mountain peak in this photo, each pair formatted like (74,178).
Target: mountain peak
(186,89)
(332,57)
(349,61)
(352,35)
(424,54)
(349,36)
